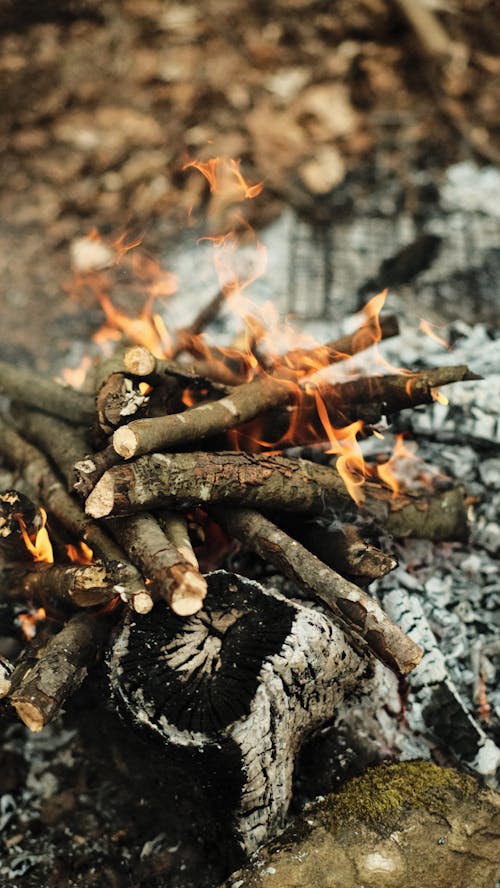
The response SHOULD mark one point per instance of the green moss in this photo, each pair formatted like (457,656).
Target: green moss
(380,795)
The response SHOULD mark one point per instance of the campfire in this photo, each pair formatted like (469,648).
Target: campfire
(174,452)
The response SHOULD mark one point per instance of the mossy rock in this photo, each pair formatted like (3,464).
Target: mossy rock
(395,826)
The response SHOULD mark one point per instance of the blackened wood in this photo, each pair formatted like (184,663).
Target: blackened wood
(61,668)
(118,399)
(30,388)
(358,612)
(237,686)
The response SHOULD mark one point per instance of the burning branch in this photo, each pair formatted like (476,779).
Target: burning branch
(177,480)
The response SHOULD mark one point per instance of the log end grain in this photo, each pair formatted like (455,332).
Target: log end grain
(139,361)
(29,714)
(100,502)
(125,442)
(187,599)
(142,603)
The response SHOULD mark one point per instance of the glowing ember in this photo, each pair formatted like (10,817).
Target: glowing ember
(29,621)
(41,547)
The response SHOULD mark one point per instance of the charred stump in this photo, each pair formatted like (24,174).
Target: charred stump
(236,687)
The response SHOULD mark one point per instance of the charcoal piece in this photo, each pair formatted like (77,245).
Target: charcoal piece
(243,681)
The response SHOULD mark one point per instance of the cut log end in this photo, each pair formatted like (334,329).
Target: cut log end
(100,502)
(142,603)
(139,361)
(125,442)
(29,714)
(187,599)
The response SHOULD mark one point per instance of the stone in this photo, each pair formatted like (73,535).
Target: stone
(395,826)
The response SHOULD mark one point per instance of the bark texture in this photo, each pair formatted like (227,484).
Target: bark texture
(178,480)
(166,432)
(59,671)
(45,394)
(355,610)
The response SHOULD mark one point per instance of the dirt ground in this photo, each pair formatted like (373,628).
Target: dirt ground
(103,103)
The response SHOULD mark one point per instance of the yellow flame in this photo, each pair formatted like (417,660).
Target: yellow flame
(41,549)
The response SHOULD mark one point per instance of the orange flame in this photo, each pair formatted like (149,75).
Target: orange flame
(216,170)
(28,622)
(388,472)
(41,548)
(426,327)
(138,270)
(80,554)
(75,376)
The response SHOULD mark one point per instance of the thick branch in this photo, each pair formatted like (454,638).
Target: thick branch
(172,480)
(60,670)
(176,480)
(172,577)
(358,612)
(244,403)
(82,585)
(46,394)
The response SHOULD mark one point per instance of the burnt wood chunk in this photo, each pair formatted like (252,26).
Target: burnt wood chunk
(246,679)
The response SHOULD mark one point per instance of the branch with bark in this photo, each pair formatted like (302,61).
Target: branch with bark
(354,610)
(62,665)
(180,480)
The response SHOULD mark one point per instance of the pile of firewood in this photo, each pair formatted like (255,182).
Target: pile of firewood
(121,476)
